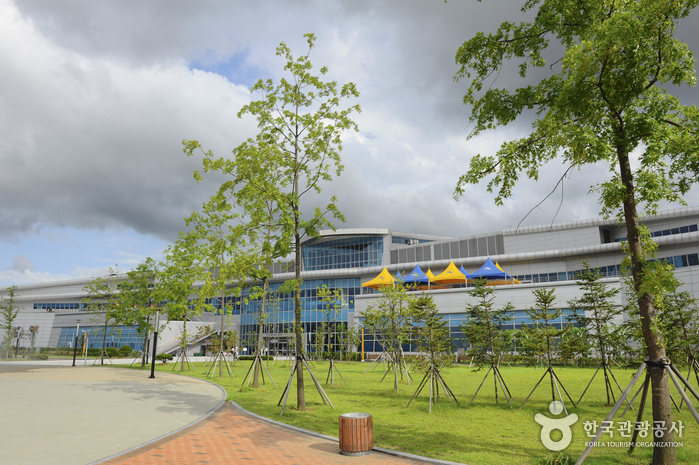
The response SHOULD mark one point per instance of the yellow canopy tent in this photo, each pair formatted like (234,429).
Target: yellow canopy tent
(432,284)
(383,279)
(451,275)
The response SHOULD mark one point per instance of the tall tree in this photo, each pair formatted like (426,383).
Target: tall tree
(300,128)
(605,98)
(8,312)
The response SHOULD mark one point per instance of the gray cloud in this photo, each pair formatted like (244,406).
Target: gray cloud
(22,263)
(96,97)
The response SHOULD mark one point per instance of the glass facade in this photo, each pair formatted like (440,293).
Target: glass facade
(280,308)
(678,261)
(408,240)
(60,306)
(350,252)
(519,319)
(117,336)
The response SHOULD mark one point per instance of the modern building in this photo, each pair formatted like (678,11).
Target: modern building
(538,256)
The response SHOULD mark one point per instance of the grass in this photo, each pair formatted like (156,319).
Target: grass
(483,433)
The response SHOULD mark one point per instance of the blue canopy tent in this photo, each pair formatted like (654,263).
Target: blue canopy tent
(417,277)
(493,273)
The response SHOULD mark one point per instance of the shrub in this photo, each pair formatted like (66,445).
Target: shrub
(252,357)
(164,357)
(136,353)
(112,351)
(125,351)
(38,357)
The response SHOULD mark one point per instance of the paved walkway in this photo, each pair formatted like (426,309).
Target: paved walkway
(91,415)
(79,415)
(231,437)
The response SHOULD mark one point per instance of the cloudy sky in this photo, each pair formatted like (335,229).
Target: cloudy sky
(96,97)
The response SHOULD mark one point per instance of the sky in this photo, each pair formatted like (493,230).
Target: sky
(96,98)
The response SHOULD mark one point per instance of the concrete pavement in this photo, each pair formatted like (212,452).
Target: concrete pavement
(79,415)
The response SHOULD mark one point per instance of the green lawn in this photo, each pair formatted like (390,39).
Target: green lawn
(483,433)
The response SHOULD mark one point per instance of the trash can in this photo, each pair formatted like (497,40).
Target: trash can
(356,434)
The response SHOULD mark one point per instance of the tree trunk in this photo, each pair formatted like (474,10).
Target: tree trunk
(255,378)
(298,330)
(223,317)
(145,344)
(186,342)
(651,332)
(104,337)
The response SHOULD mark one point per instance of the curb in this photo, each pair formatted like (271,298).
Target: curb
(404,455)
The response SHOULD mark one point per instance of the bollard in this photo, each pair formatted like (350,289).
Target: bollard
(356,434)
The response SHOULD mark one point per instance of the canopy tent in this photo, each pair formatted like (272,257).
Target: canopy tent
(417,276)
(493,273)
(383,279)
(398,277)
(450,276)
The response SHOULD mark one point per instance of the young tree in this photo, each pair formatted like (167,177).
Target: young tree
(483,329)
(605,98)
(544,329)
(140,295)
(679,319)
(352,339)
(431,334)
(8,312)
(391,318)
(332,301)
(543,333)
(182,268)
(300,128)
(103,303)
(221,245)
(33,333)
(435,345)
(595,315)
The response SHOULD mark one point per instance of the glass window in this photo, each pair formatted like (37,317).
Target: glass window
(675,230)
(684,229)
(667,232)
(693,259)
(693,228)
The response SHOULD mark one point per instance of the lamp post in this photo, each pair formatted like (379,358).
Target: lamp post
(85,344)
(155,343)
(75,348)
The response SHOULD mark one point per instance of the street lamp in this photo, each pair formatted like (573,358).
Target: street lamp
(85,344)
(75,348)
(155,343)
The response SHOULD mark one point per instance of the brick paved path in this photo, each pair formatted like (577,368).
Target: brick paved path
(232,437)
